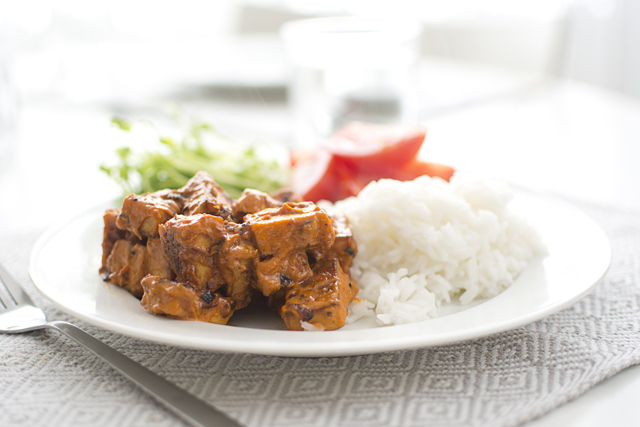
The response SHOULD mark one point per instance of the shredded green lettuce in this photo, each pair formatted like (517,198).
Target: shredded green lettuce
(173,162)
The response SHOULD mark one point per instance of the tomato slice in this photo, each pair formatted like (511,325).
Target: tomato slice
(358,154)
(324,176)
(416,168)
(374,147)
(320,176)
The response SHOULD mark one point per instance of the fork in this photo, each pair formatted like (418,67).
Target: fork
(19,314)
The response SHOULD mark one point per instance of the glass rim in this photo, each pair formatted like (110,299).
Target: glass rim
(347,28)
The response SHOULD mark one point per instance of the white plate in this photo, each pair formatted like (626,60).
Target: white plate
(65,261)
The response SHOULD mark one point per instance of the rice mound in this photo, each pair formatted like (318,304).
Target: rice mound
(426,242)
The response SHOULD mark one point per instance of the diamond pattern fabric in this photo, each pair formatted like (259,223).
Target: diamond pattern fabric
(501,380)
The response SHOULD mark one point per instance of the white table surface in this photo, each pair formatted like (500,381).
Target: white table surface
(565,137)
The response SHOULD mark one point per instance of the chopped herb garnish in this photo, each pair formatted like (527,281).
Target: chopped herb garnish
(173,162)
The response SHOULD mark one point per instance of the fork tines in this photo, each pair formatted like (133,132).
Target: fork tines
(6,298)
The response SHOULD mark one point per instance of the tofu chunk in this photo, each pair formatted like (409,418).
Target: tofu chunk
(282,236)
(202,195)
(143,214)
(210,253)
(235,262)
(251,202)
(320,302)
(111,234)
(158,261)
(181,301)
(191,244)
(344,247)
(126,265)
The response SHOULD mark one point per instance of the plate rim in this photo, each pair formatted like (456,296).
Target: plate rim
(321,348)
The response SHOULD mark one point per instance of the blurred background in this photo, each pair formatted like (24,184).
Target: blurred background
(68,66)
(128,53)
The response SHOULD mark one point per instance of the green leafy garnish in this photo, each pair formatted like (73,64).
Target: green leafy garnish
(173,162)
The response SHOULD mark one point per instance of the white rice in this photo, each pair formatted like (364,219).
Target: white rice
(427,242)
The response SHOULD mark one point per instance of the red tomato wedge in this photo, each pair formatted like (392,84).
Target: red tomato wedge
(408,172)
(320,176)
(358,154)
(416,168)
(376,147)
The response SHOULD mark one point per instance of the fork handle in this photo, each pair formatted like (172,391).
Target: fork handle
(184,404)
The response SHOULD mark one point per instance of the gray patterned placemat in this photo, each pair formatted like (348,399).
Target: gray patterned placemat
(502,380)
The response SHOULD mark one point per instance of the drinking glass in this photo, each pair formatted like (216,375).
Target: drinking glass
(347,69)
